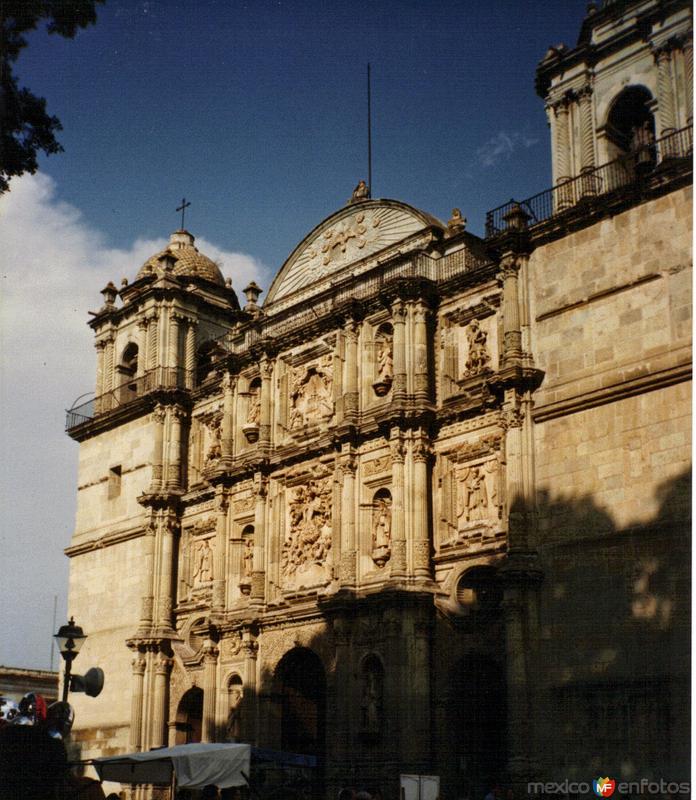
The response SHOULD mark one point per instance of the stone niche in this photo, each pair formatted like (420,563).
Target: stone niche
(305,557)
(471,494)
(196,560)
(309,395)
(469,347)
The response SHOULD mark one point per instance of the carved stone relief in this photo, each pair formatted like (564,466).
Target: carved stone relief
(307,543)
(311,394)
(477,356)
(384,361)
(381,528)
(196,570)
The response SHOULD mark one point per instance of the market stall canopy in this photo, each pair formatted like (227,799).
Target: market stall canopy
(194,765)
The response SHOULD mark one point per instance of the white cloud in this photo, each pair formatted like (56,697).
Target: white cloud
(501,146)
(52,267)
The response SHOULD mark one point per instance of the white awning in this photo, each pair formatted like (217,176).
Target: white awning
(195,766)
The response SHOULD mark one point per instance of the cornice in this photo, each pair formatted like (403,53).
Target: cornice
(108,540)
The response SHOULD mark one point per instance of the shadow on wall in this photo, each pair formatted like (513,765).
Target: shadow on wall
(612,694)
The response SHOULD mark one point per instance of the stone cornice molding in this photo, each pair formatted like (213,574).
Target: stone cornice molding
(107,540)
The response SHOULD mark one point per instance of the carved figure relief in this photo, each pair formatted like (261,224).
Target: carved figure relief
(478,358)
(308,541)
(381,527)
(372,699)
(247,566)
(202,572)
(473,499)
(214,439)
(233,729)
(384,361)
(254,410)
(311,393)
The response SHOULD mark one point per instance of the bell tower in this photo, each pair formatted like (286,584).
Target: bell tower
(627,84)
(153,337)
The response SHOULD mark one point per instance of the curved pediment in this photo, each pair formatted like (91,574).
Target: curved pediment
(352,234)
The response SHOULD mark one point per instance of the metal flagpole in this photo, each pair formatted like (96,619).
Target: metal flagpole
(369,133)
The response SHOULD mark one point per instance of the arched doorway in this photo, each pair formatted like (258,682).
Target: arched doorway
(189,717)
(302,684)
(630,126)
(477,724)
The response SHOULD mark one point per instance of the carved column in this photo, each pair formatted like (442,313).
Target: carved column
(136,726)
(220,552)
(158,417)
(563,194)
(142,347)
(350,381)
(250,700)
(348,467)
(341,700)
(397,561)
(514,472)
(190,353)
(146,609)
(176,417)
(227,442)
(665,92)
(100,346)
(586,128)
(688,50)
(517,705)
(166,531)
(152,340)
(258,576)
(158,736)
(421,380)
(266,369)
(398,311)
(421,533)
(512,332)
(108,377)
(210,654)
(173,346)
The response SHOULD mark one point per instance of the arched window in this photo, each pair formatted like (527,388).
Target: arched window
(189,717)
(128,370)
(479,590)
(372,703)
(235,694)
(630,126)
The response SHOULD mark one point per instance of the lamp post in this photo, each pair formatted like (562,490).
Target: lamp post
(69,640)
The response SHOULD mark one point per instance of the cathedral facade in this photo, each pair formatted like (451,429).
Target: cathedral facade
(426,509)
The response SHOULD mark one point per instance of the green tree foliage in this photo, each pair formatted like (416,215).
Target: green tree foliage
(25,125)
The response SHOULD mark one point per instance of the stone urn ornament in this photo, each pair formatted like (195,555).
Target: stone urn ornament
(251,432)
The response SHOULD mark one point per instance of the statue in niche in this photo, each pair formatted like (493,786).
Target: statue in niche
(202,563)
(385,364)
(371,703)
(473,497)
(233,729)
(248,557)
(492,468)
(381,530)
(309,538)
(311,398)
(215,448)
(254,411)
(477,358)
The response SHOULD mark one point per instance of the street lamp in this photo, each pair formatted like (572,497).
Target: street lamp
(69,639)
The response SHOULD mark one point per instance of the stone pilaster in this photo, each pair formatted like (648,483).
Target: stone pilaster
(220,551)
(421,527)
(688,50)
(350,379)
(142,347)
(158,419)
(175,320)
(160,705)
(665,91)
(136,726)
(563,194)
(167,531)
(258,576)
(210,656)
(421,380)
(152,340)
(250,703)
(587,156)
(108,375)
(176,417)
(398,545)
(341,700)
(100,346)
(266,370)
(512,333)
(147,599)
(399,314)
(190,353)
(517,697)
(348,466)
(227,440)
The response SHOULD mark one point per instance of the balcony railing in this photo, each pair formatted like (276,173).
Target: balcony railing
(128,391)
(639,168)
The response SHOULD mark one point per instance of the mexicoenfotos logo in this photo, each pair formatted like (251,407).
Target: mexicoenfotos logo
(604,787)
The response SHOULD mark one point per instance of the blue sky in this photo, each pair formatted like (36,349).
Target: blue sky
(256,112)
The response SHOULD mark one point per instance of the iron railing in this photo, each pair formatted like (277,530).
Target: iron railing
(638,168)
(128,391)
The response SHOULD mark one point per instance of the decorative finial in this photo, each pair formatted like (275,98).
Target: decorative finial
(252,292)
(109,292)
(124,282)
(456,222)
(360,193)
(184,205)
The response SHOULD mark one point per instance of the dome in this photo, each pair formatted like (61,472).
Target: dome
(188,261)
